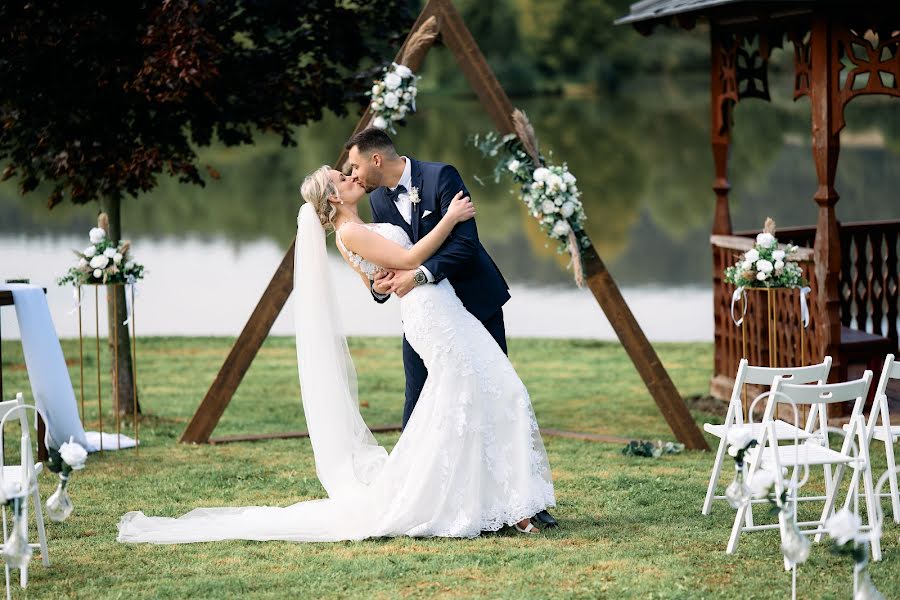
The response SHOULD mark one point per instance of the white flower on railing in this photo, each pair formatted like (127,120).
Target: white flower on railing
(97,235)
(766,265)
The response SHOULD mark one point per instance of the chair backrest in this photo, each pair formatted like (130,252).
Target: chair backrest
(748,374)
(799,375)
(7,408)
(890,370)
(828,393)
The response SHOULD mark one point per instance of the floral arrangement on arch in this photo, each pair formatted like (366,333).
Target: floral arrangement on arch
(393,96)
(549,191)
(766,265)
(103,261)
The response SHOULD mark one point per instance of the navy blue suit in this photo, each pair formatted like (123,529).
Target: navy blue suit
(461,259)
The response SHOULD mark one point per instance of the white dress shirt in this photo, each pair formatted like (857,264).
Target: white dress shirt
(405,206)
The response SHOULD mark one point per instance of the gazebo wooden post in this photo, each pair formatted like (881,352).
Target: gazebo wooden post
(825,102)
(721,107)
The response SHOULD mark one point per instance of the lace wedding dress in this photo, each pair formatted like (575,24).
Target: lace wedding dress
(471,458)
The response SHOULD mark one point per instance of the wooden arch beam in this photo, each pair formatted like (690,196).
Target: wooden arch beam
(457,37)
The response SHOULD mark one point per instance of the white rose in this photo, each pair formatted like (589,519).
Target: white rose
(403,71)
(109,252)
(843,526)
(390,100)
(567,209)
(761,276)
(779,264)
(513,165)
(746,265)
(74,454)
(380,123)
(752,255)
(568,177)
(561,228)
(392,81)
(98,274)
(764,266)
(541,174)
(376,89)
(97,235)
(117,258)
(766,240)
(129,265)
(762,483)
(90,251)
(555,180)
(548,207)
(739,437)
(99,262)
(82,263)
(778,254)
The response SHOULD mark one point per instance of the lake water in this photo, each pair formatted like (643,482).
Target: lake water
(642,160)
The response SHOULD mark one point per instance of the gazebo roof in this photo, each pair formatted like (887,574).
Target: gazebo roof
(647,10)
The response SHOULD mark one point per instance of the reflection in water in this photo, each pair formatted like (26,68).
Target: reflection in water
(642,159)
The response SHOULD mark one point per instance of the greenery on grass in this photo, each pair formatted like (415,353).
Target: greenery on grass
(631,527)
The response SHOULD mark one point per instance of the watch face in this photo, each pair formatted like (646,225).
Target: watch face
(420,277)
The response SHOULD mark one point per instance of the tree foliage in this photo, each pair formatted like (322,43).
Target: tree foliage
(100,98)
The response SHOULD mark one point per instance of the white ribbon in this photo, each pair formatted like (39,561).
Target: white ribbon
(128,307)
(804,307)
(737,295)
(75,301)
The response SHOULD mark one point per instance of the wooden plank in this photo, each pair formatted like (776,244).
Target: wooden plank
(288,435)
(270,304)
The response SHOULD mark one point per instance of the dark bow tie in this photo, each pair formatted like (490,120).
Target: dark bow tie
(395,193)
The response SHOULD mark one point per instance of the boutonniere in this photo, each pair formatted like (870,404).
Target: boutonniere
(414,195)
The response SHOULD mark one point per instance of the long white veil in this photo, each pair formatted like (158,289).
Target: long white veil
(347,455)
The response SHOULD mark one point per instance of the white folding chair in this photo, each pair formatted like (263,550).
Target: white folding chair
(886,433)
(24,476)
(734,417)
(814,452)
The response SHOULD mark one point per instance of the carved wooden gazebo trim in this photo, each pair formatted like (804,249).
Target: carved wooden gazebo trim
(841,50)
(443,17)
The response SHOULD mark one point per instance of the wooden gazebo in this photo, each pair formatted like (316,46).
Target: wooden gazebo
(841,49)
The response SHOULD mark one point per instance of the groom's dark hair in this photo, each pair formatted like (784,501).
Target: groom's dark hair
(371,140)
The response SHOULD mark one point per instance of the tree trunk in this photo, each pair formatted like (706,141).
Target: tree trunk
(117,312)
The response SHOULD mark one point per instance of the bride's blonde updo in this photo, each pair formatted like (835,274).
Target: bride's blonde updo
(316,189)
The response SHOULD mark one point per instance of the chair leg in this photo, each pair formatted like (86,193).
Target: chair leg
(6,567)
(869,489)
(831,496)
(892,478)
(714,477)
(39,518)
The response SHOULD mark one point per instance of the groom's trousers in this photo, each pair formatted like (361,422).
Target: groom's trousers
(415,370)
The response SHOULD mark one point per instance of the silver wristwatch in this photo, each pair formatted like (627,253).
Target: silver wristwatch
(420,277)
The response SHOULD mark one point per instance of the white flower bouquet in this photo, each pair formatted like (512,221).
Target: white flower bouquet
(767,265)
(549,191)
(71,456)
(103,262)
(393,96)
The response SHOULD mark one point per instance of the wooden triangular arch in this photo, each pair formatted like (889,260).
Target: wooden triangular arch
(440,20)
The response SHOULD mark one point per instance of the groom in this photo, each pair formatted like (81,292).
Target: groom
(414,195)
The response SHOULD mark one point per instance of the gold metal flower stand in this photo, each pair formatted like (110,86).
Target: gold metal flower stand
(761,335)
(110,288)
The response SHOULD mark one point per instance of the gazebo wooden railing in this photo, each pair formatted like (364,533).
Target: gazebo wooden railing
(869,289)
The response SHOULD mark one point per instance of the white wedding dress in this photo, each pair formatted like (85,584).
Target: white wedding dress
(471,458)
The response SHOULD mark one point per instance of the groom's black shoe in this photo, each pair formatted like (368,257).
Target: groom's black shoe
(544,519)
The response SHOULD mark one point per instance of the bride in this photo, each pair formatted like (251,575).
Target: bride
(470,459)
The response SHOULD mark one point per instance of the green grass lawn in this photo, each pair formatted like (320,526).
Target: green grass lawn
(631,527)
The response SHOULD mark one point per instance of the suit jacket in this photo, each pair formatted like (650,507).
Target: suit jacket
(461,259)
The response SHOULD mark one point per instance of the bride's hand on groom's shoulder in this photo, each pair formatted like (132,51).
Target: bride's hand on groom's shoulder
(384,279)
